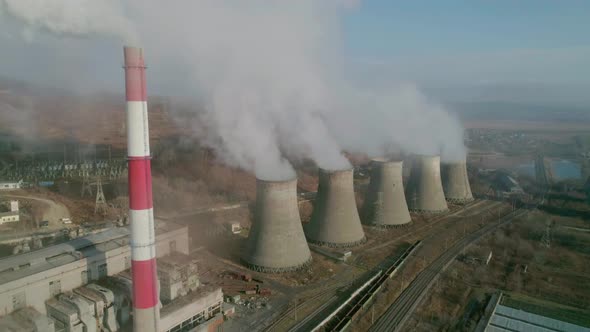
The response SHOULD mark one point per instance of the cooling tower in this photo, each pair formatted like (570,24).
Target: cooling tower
(335,220)
(385,204)
(146,313)
(425,193)
(456,183)
(276,242)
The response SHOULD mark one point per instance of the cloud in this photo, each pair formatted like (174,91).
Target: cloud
(268,77)
(71,17)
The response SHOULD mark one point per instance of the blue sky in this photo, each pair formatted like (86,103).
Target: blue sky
(420,27)
(509,50)
(502,49)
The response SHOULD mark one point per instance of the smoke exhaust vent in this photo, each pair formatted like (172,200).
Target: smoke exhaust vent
(276,242)
(146,314)
(456,182)
(425,193)
(385,204)
(335,220)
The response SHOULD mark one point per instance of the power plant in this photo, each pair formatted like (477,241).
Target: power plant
(146,313)
(264,191)
(385,204)
(456,182)
(335,219)
(276,242)
(425,192)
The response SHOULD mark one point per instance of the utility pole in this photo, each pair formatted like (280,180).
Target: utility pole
(546,240)
(101,203)
(464,236)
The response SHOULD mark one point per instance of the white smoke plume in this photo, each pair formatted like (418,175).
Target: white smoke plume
(396,117)
(258,69)
(78,18)
(264,75)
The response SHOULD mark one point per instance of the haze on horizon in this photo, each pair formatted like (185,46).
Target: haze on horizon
(510,51)
(300,79)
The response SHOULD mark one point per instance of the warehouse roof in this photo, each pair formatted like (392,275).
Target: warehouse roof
(510,319)
(23,265)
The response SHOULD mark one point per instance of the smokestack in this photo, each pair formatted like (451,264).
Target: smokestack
(385,204)
(425,193)
(335,220)
(146,314)
(276,242)
(456,183)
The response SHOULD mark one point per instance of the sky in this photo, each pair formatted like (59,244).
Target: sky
(501,49)
(517,50)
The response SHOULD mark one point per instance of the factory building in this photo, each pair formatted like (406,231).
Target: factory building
(10,216)
(178,275)
(192,305)
(203,309)
(11,185)
(27,320)
(85,285)
(30,279)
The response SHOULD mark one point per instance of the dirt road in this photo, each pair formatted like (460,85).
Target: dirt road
(52,212)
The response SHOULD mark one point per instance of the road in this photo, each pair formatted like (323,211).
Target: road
(53,213)
(397,314)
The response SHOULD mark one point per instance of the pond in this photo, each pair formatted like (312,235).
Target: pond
(562,169)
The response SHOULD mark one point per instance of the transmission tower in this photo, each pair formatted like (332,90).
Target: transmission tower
(101,202)
(546,239)
(86,185)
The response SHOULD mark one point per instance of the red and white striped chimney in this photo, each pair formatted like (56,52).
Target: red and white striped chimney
(146,313)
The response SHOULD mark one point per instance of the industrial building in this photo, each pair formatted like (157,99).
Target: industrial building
(184,302)
(276,242)
(456,182)
(10,216)
(385,204)
(425,192)
(507,184)
(62,282)
(30,279)
(10,185)
(502,317)
(335,220)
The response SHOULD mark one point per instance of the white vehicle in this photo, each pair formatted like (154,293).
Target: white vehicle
(66,220)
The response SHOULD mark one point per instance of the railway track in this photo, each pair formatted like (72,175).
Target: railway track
(397,314)
(288,313)
(432,224)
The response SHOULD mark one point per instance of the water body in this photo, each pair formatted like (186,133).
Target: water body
(562,169)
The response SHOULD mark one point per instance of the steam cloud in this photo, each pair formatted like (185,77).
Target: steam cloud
(397,117)
(79,18)
(264,74)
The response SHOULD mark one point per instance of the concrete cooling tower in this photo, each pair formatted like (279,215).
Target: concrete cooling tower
(276,242)
(335,220)
(385,204)
(456,183)
(425,193)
